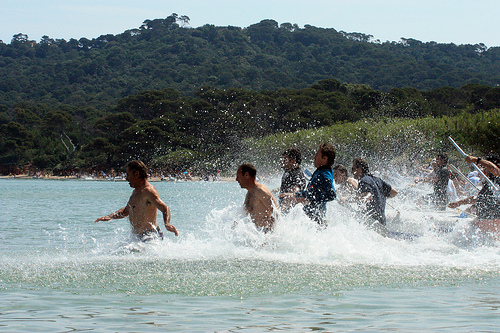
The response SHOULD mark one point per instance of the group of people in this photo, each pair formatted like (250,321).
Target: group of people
(365,189)
(260,203)
(485,205)
(313,195)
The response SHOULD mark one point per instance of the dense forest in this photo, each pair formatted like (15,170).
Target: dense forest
(167,53)
(204,99)
(208,130)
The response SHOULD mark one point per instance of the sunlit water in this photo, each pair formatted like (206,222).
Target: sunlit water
(60,272)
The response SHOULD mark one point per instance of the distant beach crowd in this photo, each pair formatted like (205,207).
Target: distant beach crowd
(117,176)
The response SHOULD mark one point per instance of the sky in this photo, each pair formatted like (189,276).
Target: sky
(441,21)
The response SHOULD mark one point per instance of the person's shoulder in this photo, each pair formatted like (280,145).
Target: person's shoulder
(365,178)
(149,188)
(324,172)
(443,172)
(369,180)
(262,189)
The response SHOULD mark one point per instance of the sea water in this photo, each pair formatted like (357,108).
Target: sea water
(60,272)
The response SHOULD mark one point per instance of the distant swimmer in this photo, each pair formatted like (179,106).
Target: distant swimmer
(142,205)
(259,201)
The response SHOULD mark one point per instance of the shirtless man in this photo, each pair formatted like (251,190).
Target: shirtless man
(259,202)
(142,205)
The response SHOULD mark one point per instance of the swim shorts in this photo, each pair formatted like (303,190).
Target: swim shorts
(150,235)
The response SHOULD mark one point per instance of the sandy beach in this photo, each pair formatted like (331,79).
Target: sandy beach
(87,177)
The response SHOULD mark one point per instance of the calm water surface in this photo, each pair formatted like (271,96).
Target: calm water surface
(60,272)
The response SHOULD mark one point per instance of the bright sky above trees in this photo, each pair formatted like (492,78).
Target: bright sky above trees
(442,21)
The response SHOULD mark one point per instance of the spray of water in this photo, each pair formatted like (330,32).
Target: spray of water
(221,252)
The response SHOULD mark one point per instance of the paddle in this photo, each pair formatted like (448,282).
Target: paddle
(463,176)
(494,188)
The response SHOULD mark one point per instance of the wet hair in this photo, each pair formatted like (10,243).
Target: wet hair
(443,157)
(247,167)
(340,168)
(361,163)
(138,166)
(329,151)
(293,154)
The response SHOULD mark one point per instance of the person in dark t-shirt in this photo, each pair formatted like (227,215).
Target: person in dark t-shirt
(372,190)
(293,179)
(441,178)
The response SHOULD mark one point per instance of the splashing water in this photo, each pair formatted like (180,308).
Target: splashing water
(50,246)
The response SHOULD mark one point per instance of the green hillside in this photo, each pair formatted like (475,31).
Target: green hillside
(264,56)
(206,98)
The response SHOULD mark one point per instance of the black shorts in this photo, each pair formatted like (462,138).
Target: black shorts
(150,235)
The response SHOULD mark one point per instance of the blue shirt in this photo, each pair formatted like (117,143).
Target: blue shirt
(319,191)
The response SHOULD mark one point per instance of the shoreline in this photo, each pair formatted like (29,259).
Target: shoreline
(119,179)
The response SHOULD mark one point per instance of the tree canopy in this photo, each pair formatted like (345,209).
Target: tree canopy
(213,124)
(169,93)
(167,53)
